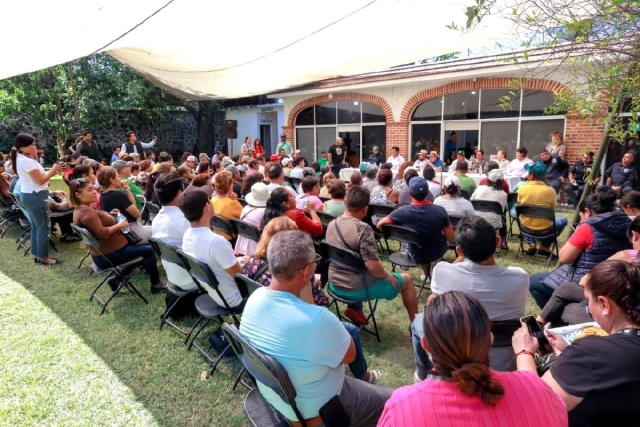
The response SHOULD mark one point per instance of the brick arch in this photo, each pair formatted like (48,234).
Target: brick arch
(371,99)
(481,83)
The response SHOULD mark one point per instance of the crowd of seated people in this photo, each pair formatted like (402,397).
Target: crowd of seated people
(469,370)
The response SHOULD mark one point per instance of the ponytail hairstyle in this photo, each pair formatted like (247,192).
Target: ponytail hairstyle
(21,140)
(619,282)
(457,333)
(275,205)
(602,201)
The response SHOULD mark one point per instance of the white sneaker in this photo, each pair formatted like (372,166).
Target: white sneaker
(423,277)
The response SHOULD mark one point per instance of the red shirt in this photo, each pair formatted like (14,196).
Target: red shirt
(582,238)
(527,402)
(505,186)
(258,151)
(304,223)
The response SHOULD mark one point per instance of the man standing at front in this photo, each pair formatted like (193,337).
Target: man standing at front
(284,145)
(308,340)
(134,146)
(337,155)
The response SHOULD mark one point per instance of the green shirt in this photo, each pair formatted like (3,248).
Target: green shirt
(136,191)
(323,162)
(286,146)
(467,184)
(334,208)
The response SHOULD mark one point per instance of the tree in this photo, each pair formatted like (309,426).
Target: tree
(597,42)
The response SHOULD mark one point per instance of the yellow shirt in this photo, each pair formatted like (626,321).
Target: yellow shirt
(536,193)
(155,167)
(226,208)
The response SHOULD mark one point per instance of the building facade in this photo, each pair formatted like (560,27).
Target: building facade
(262,121)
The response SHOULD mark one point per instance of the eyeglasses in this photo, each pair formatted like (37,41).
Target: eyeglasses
(316,260)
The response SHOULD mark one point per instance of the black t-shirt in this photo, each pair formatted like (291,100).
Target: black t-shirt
(111,200)
(338,153)
(605,372)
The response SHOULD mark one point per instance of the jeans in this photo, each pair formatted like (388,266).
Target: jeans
(574,192)
(539,291)
(335,169)
(128,253)
(561,223)
(565,306)
(37,212)
(423,363)
(554,183)
(359,365)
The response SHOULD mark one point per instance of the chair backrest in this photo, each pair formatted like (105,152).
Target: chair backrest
(246,285)
(167,251)
(245,229)
(379,210)
(343,258)
(290,182)
(536,212)
(464,195)
(325,199)
(202,275)
(512,199)
(242,201)
(143,199)
(325,218)
(487,206)
(454,220)
(402,234)
(222,224)
(15,199)
(87,238)
(153,210)
(264,368)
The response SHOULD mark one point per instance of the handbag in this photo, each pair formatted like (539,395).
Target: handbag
(132,237)
(562,274)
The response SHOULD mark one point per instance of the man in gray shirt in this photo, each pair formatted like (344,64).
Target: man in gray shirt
(501,290)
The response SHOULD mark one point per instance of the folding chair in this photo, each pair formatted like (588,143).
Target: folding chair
(222,224)
(267,371)
(537,212)
(324,199)
(7,217)
(379,211)
(406,236)
(325,218)
(206,306)
(245,229)
(141,198)
(119,272)
(169,253)
(291,182)
(465,195)
(152,212)
(512,201)
(242,201)
(495,208)
(349,260)
(454,220)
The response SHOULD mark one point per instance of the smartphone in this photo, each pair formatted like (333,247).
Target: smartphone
(536,330)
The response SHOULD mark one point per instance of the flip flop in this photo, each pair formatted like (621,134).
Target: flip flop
(374,376)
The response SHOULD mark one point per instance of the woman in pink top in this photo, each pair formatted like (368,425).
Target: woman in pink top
(462,390)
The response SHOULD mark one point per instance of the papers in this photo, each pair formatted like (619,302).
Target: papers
(574,332)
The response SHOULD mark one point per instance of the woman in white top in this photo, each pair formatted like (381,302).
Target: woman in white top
(429,174)
(516,167)
(492,192)
(35,191)
(252,213)
(452,202)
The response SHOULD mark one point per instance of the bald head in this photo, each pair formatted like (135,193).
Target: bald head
(338,141)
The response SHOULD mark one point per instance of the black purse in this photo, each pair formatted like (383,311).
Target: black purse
(132,237)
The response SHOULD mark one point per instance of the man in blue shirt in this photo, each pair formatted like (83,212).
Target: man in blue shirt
(308,340)
(435,161)
(450,147)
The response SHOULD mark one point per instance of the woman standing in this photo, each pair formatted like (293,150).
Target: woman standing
(245,149)
(556,147)
(35,191)
(258,149)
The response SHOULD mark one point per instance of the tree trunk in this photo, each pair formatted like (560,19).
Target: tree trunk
(60,141)
(205,130)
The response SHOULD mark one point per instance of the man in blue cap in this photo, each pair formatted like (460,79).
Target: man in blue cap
(429,220)
(536,193)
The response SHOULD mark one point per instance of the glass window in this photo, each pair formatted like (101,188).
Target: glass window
(348,112)
(535,101)
(305,117)
(492,103)
(371,113)
(373,135)
(535,135)
(425,137)
(325,138)
(430,110)
(326,114)
(304,139)
(496,136)
(461,105)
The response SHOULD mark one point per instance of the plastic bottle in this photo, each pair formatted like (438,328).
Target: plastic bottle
(119,219)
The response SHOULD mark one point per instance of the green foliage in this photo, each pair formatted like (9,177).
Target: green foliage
(445,57)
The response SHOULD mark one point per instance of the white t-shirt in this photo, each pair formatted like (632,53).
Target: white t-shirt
(434,188)
(458,207)
(272,186)
(170,225)
(217,252)
(396,161)
(516,167)
(24,165)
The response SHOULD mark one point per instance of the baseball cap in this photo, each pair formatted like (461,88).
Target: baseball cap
(424,152)
(192,159)
(118,165)
(363,166)
(193,200)
(375,148)
(285,161)
(418,187)
(461,153)
(232,169)
(435,153)
(298,151)
(495,175)
(538,169)
(274,158)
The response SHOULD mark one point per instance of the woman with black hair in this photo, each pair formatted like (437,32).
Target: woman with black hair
(34,183)
(601,234)
(630,203)
(429,173)
(283,203)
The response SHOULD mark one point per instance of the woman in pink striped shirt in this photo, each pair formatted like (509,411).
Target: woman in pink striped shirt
(462,390)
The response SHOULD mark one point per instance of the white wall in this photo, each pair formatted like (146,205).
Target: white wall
(249,120)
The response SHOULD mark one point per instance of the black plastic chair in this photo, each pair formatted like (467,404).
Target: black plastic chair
(206,306)
(152,211)
(291,182)
(543,213)
(169,253)
(512,200)
(407,236)
(121,272)
(325,218)
(349,260)
(266,370)
(465,195)
(379,211)
(242,201)
(222,224)
(245,229)
(495,208)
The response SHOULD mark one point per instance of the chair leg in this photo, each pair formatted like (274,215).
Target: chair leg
(166,314)
(372,317)
(197,333)
(133,289)
(195,325)
(219,358)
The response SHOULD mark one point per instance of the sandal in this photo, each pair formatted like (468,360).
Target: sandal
(374,376)
(56,262)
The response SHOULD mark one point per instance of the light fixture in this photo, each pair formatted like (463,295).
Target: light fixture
(330,96)
(473,92)
(355,102)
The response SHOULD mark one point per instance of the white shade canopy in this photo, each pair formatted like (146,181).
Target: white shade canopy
(201,49)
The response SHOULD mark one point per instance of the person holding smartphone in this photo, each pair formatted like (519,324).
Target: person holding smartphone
(597,377)
(34,193)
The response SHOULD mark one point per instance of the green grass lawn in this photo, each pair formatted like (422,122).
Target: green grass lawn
(62,364)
